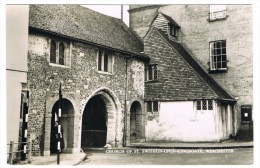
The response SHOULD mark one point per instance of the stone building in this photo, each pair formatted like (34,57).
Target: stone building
(97,60)
(199,82)
(196,84)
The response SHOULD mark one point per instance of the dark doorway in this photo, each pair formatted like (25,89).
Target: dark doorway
(135,122)
(94,123)
(67,126)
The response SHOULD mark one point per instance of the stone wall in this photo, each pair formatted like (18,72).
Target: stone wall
(80,78)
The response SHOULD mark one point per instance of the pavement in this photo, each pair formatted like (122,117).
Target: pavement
(196,145)
(65,159)
(74,159)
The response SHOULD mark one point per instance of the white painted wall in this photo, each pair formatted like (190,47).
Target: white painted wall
(17,23)
(13,101)
(178,121)
(17,17)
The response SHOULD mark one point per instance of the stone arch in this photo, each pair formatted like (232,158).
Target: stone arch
(136,122)
(67,124)
(51,99)
(113,115)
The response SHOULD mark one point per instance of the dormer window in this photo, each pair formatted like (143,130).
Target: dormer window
(173,30)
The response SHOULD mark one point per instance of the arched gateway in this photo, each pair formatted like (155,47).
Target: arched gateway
(101,120)
(67,124)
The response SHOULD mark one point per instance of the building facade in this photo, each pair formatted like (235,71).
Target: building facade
(97,61)
(215,41)
(183,75)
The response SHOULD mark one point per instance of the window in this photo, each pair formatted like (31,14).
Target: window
(217,12)
(104,61)
(218,55)
(59,52)
(53,52)
(151,72)
(152,106)
(204,105)
(173,30)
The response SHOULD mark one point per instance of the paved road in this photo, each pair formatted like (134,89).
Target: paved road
(243,156)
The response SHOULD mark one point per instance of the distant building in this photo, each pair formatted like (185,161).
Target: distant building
(16,72)
(199,83)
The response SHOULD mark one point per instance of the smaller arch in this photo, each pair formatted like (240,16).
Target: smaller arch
(136,122)
(67,124)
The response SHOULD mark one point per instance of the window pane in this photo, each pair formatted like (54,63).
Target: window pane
(210,105)
(53,52)
(150,73)
(218,51)
(224,61)
(105,62)
(109,65)
(155,106)
(214,45)
(61,54)
(155,72)
(224,44)
(218,44)
(223,50)
(204,105)
(198,105)
(99,60)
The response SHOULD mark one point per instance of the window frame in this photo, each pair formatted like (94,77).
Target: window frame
(150,106)
(208,107)
(173,30)
(218,56)
(61,60)
(151,72)
(105,61)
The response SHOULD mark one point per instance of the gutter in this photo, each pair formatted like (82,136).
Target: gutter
(135,55)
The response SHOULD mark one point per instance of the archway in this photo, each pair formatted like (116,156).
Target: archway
(67,124)
(94,123)
(135,122)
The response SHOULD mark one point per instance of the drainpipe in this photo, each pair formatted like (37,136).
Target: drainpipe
(126,90)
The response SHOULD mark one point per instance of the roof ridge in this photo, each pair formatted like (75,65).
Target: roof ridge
(83,23)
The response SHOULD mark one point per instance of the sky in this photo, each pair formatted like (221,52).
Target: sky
(112,10)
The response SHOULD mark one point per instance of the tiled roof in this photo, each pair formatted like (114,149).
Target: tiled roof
(170,20)
(215,87)
(81,23)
